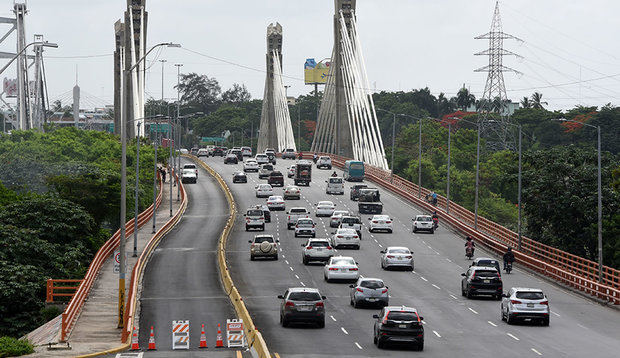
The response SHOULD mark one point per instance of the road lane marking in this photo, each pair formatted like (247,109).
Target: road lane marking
(297,277)
(437,334)
(537,352)
(453,296)
(332,317)
(286,261)
(277,355)
(437,287)
(358,345)
(471,309)
(555,313)
(302,283)
(492,324)
(422,277)
(448,260)
(290,268)
(239,355)
(344,330)
(512,336)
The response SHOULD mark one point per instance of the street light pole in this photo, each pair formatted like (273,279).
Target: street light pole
(448,185)
(170,161)
(477,179)
(178,146)
(393,141)
(155,178)
(519,193)
(420,161)
(135,219)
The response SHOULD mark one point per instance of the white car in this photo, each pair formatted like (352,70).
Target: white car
(262,159)
(380,223)
(292,192)
(334,221)
(346,237)
(188,176)
(275,202)
(316,250)
(335,185)
(325,208)
(250,165)
(341,268)
(397,256)
(294,214)
(202,152)
(184,151)
(525,304)
(264,191)
(191,166)
(246,151)
(305,227)
(423,223)
(324,162)
(290,172)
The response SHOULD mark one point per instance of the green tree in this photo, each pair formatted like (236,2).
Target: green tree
(464,98)
(200,91)
(537,102)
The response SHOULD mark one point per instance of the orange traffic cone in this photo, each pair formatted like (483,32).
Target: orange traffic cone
(203,338)
(219,343)
(134,340)
(152,341)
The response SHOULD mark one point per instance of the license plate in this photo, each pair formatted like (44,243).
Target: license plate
(348,238)
(305,308)
(402,326)
(319,249)
(530,305)
(487,281)
(372,300)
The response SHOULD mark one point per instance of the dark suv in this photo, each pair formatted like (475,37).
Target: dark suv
(355,191)
(302,304)
(398,324)
(487,262)
(276,178)
(238,153)
(481,280)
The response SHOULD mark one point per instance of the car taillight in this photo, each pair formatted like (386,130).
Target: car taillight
(390,257)
(375,222)
(329,247)
(515,302)
(289,218)
(546,303)
(355,237)
(353,269)
(339,236)
(247,219)
(359,290)
(333,269)
(296,226)
(313,226)
(319,304)
(409,256)
(308,247)
(498,276)
(289,304)
(388,222)
(384,290)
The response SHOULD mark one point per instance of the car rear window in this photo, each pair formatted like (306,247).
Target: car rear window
(398,251)
(254,213)
(530,295)
(343,262)
(304,296)
(335,180)
(268,166)
(276,174)
(402,316)
(189,166)
(319,243)
(304,222)
(299,210)
(480,273)
(487,263)
(351,220)
(372,284)
(424,218)
(258,240)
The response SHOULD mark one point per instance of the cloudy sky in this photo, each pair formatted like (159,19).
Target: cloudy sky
(570,48)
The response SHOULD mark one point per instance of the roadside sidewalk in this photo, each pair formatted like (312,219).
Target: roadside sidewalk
(95,329)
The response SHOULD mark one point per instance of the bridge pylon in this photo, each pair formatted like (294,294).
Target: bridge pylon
(276,130)
(347,124)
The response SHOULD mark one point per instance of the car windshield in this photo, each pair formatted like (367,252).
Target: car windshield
(335,180)
(254,213)
(351,220)
(343,261)
(319,243)
(372,284)
(189,166)
(424,218)
(480,273)
(261,239)
(402,316)
(398,251)
(298,210)
(528,295)
(304,296)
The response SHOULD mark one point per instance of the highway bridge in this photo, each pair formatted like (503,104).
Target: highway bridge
(454,325)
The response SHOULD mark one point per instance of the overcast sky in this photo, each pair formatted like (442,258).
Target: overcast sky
(406,43)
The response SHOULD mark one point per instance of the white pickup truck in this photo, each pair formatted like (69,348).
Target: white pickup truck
(294,214)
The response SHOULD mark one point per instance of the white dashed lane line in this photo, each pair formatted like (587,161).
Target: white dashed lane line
(297,277)
(332,317)
(437,334)
(358,345)
(537,352)
(453,296)
(422,277)
(512,336)
(471,309)
(301,283)
(554,314)
(492,324)
(290,268)
(437,287)
(344,330)
(286,261)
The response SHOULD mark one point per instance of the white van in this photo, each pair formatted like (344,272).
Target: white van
(335,185)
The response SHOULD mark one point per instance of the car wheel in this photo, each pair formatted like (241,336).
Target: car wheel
(380,344)
(296,235)
(503,317)
(421,346)
(411,267)
(355,304)
(251,258)
(468,294)
(414,230)
(357,247)
(371,230)
(275,257)
(545,322)
(432,231)
(262,228)
(462,292)
(305,260)
(321,323)
(325,278)
(498,297)
(284,322)
(351,301)
(247,228)
(313,235)
(390,231)
(509,319)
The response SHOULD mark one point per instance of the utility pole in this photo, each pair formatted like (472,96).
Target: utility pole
(178,66)
(155,177)
(519,190)
(420,160)
(162,84)
(477,179)
(393,141)
(448,179)
(135,219)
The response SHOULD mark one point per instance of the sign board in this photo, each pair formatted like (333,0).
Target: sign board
(117,261)
(316,73)
(180,334)
(159,127)
(234,333)
(212,139)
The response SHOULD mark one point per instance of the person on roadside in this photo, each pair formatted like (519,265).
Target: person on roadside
(162,172)
(434,197)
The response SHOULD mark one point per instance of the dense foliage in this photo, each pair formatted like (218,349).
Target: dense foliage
(12,347)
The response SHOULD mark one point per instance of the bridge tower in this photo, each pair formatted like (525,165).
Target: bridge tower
(276,130)
(347,123)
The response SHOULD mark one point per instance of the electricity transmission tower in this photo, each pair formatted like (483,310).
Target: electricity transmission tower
(494,98)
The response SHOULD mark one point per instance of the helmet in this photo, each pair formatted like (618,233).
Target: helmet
(509,248)
(468,238)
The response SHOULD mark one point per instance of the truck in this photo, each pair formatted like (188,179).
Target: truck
(303,172)
(369,201)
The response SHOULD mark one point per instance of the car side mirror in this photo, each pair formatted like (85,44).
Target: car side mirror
(281,297)
(368,218)
(250,241)
(244,215)
(382,251)
(333,233)
(323,297)
(463,275)
(277,240)
(504,295)
(357,263)
(421,318)
(351,286)
(302,245)
(326,181)
(375,316)
(386,287)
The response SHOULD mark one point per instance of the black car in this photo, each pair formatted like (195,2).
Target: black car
(231,158)
(355,191)
(398,324)
(271,156)
(240,177)
(238,153)
(482,280)
(276,178)
(488,262)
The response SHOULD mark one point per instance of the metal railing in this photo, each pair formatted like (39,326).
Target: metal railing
(53,290)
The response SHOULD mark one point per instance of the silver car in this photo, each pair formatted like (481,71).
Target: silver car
(341,268)
(292,192)
(369,291)
(264,246)
(397,256)
(346,237)
(305,227)
(334,220)
(316,250)
(525,304)
(302,304)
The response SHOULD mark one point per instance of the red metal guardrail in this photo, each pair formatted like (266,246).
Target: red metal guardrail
(71,313)
(562,266)
(53,290)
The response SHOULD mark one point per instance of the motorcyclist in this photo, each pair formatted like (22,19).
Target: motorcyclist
(469,244)
(334,174)
(435,219)
(315,157)
(301,156)
(509,257)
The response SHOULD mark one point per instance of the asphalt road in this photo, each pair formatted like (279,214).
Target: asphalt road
(454,325)
(181,280)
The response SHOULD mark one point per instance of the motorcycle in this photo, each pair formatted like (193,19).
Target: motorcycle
(435,223)
(508,267)
(469,252)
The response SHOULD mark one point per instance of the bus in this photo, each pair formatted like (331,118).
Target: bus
(353,170)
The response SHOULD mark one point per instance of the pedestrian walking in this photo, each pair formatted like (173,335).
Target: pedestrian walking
(162,171)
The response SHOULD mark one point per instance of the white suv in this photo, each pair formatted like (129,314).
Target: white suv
(423,222)
(305,227)
(526,304)
(324,162)
(335,185)
(250,165)
(294,214)
(316,250)
(262,159)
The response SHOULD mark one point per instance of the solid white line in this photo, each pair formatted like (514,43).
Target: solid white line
(537,352)
(492,324)
(437,287)
(512,336)
(422,277)
(453,296)
(344,330)
(469,308)
(437,334)
(358,345)
(332,317)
